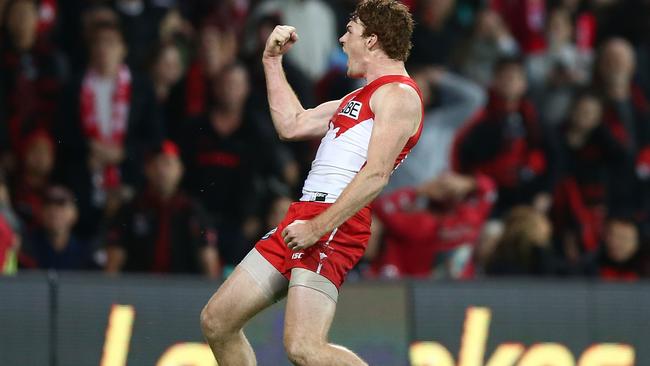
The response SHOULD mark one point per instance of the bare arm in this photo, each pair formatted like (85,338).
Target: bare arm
(291,120)
(115,259)
(397,115)
(209,261)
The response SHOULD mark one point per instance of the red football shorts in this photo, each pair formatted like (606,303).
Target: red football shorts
(332,256)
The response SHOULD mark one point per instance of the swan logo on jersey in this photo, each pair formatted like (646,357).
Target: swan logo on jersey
(268,235)
(352,109)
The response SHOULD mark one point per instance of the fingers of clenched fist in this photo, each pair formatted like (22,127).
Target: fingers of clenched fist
(280,40)
(298,235)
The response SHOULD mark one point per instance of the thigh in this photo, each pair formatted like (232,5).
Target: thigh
(253,286)
(309,314)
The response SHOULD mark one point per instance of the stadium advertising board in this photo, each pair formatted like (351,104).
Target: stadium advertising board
(93,320)
(144,321)
(520,323)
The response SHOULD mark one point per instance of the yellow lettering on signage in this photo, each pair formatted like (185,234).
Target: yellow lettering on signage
(187,354)
(118,336)
(608,354)
(506,354)
(547,354)
(429,354)
(475,333)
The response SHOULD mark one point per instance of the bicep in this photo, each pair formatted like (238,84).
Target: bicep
(314,122)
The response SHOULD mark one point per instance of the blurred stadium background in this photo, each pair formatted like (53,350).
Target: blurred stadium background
(138,165)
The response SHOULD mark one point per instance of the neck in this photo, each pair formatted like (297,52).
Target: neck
(108,72)
(162,91)
(512,105)
(619,91)
(576,136)
(384,66)
(230,109)
(59,239)
(163,195)
(34,180)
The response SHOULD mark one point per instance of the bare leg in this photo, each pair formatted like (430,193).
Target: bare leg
(238,299)
(308,318)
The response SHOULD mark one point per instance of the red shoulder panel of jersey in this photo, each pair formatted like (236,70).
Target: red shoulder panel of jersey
(355,108)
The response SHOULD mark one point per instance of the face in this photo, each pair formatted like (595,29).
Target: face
(217,49)
(621,241)
(510,82)
(59,216)
(355,46)
(488,24)
(559,27)
(616,62)
(586,113)
(39,158)
(94,16)
(169,68)
(232,88)
(22,21)
(164,173)
(108,50)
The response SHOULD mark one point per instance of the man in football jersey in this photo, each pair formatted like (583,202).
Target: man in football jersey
(365,135)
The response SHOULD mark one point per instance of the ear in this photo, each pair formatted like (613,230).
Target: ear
(371,41)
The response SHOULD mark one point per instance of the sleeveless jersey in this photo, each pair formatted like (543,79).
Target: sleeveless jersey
(343,151)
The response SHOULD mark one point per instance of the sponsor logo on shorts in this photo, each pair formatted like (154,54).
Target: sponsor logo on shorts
(297,255)
(352,109)
(268,235)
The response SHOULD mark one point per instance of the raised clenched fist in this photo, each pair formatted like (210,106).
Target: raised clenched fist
(280,41)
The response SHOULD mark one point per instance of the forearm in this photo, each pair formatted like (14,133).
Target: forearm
(209,261)
(360,192)
(464,98)
(283,102)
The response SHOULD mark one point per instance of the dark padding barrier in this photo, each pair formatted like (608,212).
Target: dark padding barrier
(78,319)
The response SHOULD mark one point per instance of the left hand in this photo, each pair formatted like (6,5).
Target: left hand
(301,234)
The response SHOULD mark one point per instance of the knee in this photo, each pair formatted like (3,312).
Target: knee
(215,324)
(300,350)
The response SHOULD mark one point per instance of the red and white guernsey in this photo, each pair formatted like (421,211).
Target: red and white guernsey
(343,151)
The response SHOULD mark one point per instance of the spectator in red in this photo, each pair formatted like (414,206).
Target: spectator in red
(110,119)
(227,154)
(589,158)
(217,49)
(31,74)
(526,20)
(506,142)
(623,256)
(163,230)
(166,72)
(33,177)
(525,246)
(433,228)
(626,116)
(53,245)
(7,248)
(10,231)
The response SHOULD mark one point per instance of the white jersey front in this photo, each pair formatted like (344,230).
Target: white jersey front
(343,151)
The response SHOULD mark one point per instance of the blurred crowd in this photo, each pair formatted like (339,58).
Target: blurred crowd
(135,136)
